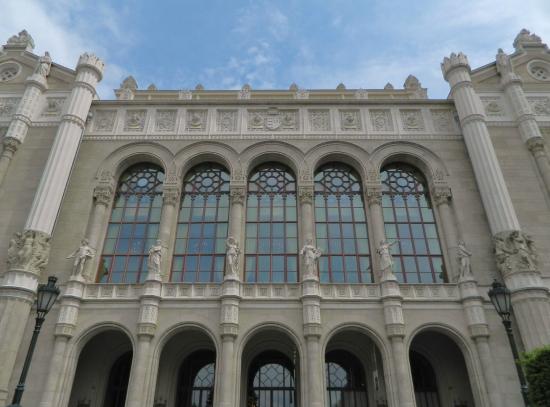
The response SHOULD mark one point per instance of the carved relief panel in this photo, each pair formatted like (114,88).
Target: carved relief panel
(8,106)
(442,120)
(104,120)
(319,120)
(493,106)
(540,105)
(135,120)
(226,120)
(165,120)
(54,107)
(350,120)
(381,120)
(196,120)
(272,119)
(412,120)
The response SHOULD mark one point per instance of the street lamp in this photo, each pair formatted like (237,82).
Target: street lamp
(500,297)
(45,298)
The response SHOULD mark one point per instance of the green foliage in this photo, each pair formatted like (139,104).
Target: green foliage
(536,365)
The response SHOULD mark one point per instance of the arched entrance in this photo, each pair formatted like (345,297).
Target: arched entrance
(187,370)
(270,371)
(354,373)
(103,371)
(439,371)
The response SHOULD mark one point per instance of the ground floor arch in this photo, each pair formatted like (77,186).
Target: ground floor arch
(439,371)
(103,371)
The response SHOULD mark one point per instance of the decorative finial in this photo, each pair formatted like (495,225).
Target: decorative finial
(199,87)
(152,87)
(341,86)
(293,87)
(21,40)
(413,85)
(526,39)
(388,86)
(129,83)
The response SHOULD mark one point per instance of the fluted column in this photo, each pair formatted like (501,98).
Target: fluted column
(472,302)
(169,219)
(311,310)
(236,217)
(373,194)
(226,375)
(140,392)
(64,331)
(514,251)
(28,107)
(392,302)
(28,251)
(442,199)
(525,118)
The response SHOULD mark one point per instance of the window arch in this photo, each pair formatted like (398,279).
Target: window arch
(345,380)
(271,381)
(409,218)
(199,253)
(271,227)
(341,225)
(133,225)
(196,380)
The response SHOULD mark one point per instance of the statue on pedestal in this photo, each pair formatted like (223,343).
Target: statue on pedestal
(310,254)
(386,260)
(232,255)
(81,255)
(464,258)
(155,260)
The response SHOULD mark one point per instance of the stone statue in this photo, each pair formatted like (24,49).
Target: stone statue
(515,252)
(44,65)
(232,254)
(155,259)
(310,254)
(22,39)
(29,251)
(386,260)
(464,256)
(81,255)
(525,37)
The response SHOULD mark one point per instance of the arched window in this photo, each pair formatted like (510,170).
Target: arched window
(196,381)
(341,225)
(409,218)
(271,228)
(271,381)
(199,254)
(424,380)
(115,395)
(133,226)
(345,380)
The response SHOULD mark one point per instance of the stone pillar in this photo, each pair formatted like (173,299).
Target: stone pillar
(373,195)
(236,218)
(472,302)
(514,251)
(64,330)
(169,219)
(442,199)
(28,251)
(525,118)
(139,391)
(311,308)
(395,329)
(307,218)
(229,325)
(36,84)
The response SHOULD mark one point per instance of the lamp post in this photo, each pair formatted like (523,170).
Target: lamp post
(500,297)
(45,298)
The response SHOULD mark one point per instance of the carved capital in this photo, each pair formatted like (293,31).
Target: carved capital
(171,196)
(237,194)
(10,145)
(515,252)
(103,194)
(536,146)
(441,195)
(305,195)
(29,251)
(374,194)
(395,330)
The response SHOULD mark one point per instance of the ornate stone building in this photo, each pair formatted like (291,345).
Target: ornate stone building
(273,248)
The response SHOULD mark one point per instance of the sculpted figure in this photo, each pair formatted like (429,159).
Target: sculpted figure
(25,253)
(310,254)
(155,258)
(232,255)
(81,255)
(44,65)
(13,249)
(386,260)
(464,257)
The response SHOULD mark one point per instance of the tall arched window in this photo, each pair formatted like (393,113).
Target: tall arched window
(271,381)
(341,225)
(196,381)
(133,225)
(199,254)
(271,228)
(424,380)
(117,386)
(345,380)
(409,218)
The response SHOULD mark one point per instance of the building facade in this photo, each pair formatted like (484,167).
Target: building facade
(273,248)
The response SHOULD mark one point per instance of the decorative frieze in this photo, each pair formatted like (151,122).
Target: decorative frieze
(226,120)
(272,119)
(196,120)
(29,251)
(8,106)
(319,120)
(165,120)
(493,106)
(540,105)
(135,120)
(54,107)
(350,120)
(104,120)
(442,120)
(381,119)
(412,120)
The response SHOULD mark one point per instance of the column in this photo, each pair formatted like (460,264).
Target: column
(525,118)
(237,195)
(28,250)
(64,331)
(472,303)
(169,220)
(395,329)
(514,251)
(226,374)
(36,84)
(138,386)
(373,195)
(311,311)
(442,199)
(307,218)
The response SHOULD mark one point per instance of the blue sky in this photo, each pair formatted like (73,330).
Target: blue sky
(224,44)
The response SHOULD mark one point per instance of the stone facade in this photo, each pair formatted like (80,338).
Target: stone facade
(481,154)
